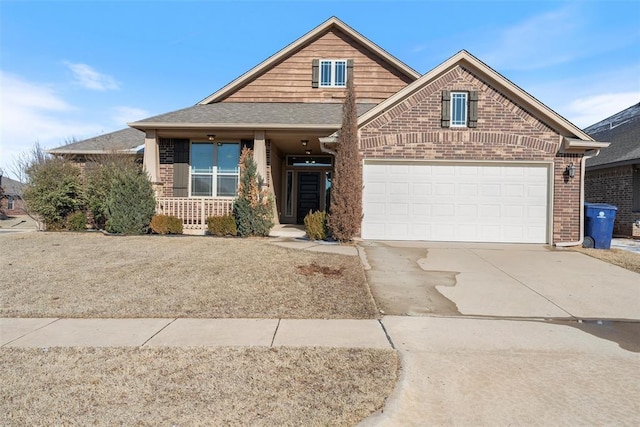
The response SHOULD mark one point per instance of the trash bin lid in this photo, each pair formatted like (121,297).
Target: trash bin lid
(600,206)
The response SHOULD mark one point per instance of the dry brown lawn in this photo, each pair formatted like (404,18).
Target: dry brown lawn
(93,275)
(197,386)
(619,257)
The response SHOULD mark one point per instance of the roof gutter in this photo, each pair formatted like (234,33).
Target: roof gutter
(269,126)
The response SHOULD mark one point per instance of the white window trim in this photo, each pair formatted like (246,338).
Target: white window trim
(214,170)
(333,63)
(466,110)
(10,203)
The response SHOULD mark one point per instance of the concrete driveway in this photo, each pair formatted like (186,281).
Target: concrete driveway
(495,335)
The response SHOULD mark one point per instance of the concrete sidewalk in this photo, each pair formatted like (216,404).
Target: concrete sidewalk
(53,332)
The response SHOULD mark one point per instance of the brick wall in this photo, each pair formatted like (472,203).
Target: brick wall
(614,186)
(165,151)
(505,131)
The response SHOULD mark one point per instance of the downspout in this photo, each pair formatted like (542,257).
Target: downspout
(583,163)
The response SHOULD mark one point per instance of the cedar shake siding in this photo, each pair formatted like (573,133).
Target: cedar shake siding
(504,131)
(291,79)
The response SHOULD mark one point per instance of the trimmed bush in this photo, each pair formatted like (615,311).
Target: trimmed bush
(315,224)
(76,221)
(222,225)
(131,202)
(166,224)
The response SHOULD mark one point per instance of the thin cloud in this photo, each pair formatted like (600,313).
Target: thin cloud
(123,114)
(89,78)
(33,112)
(591,110)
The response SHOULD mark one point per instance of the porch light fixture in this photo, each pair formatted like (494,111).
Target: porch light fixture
(307,152)
(211,137)
(304,142)
(570,170)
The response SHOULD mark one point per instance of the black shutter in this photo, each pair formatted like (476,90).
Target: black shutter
(315,73)
(473,109)
(180,168)
(446,108)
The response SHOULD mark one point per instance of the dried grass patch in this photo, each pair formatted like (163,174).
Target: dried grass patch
(91,275)
(197,386)
(619,257)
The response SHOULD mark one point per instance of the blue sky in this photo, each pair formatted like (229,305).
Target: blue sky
(76,69)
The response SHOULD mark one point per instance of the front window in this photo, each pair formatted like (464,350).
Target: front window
(333,73)
(459,109)
(214,169)
(10,203)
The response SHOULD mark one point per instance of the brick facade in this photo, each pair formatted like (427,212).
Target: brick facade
(505,132)
(614,186)
(165,152)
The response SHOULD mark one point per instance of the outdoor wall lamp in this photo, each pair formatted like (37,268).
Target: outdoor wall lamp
(304,142)
(211,137)
(307,152)
(570,170)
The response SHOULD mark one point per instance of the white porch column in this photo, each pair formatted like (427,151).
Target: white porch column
(260,153)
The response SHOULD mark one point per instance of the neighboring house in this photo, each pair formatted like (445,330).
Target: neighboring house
(459,154)
(613,176)
(11,202)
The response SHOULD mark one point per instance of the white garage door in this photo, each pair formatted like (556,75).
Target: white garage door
(455,202)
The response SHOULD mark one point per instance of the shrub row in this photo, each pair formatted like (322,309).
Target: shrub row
(166,224)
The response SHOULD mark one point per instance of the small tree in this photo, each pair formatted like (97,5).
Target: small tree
(346,186)
(253,209)
(130,203)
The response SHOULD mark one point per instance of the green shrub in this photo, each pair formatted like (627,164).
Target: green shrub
(54,191)
(76,221)
(253,209)
(315,224)
(166,224)
(131,202)
(222,225)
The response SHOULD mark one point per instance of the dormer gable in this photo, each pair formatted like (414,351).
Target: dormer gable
(315,67)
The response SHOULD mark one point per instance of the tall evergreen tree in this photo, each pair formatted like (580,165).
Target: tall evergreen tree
(346,186)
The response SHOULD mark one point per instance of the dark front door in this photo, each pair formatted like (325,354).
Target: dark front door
(308,194)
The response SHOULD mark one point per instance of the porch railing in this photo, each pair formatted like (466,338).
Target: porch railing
(193,211)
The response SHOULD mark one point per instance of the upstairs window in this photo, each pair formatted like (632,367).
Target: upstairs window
(458,109)
(333,73)
(330,73)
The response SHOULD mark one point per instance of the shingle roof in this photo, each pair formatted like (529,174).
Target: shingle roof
(623,131)
(121,140)
(269,114)
(11,186)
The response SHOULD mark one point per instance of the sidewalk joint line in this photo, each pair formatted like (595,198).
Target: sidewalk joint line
(30,332)
(274,333)
(160,330)
(387,334)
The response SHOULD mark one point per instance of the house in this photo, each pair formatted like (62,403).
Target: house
(613,176)
(458,154)
(11,202)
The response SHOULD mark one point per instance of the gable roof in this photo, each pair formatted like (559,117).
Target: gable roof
(623,131)
(323,28)
(495,79)
(124,140)
(261,115)
(11,187)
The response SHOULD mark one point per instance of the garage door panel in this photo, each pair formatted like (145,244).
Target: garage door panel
(485,203)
